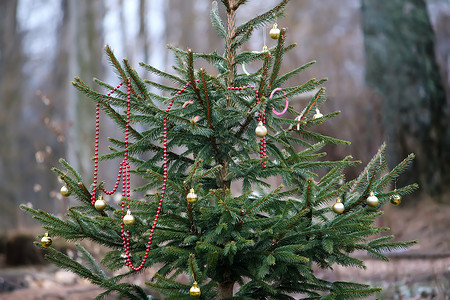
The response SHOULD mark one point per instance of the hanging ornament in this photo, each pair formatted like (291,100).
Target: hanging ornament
(46,241)
(194,291)
(65,191)
(191,196)
(274,32)
(128,219)
(338,207)
(318,114)
(261,130)
(372,200)
(100,204)
(396,199)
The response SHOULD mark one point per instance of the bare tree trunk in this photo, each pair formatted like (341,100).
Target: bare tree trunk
(11,84)
(415,110)
(142,36)
(85,61)
(225,290)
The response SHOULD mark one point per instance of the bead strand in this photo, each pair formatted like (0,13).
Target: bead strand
(116,185)
(126,237)
(97,135)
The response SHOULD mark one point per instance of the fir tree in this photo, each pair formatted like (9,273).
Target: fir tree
(192,143)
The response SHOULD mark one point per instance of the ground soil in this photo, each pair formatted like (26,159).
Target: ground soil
(421,272)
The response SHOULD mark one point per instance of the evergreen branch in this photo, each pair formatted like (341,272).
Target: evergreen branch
(323,164)
(209,172)
(313,102)
(91,261)
(243,38)
(217,196)
(248,56)
(108,109)
(227,5)
(49,221)
(162,87)
(244,126)
(208,108)
(163,74)
(264,76)
(334,193)
(193,266)
(84,189)
(212,57)
(239,3)
(394,173)
(278,57)
(287,224)
(169,182)
(193,170)
(70,168)
(263,200)
(208,247)
(263,18)
(77,187)
(113,60)
(136,79)
(292,73)
(367,169)
(289,257)
(317,137)
(263,222)
(192,77)
(216,21)
(125,291)
(364,195)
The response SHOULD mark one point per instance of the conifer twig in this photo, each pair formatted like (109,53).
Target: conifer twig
(192,76)
(208,108)
(278,58)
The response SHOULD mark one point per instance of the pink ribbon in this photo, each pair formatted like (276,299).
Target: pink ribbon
(285,107)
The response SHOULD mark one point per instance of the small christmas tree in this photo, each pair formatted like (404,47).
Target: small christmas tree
(203,136)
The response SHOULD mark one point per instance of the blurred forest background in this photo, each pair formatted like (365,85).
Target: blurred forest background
(388,65)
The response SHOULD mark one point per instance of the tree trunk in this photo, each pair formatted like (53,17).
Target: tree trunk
(226,290)
(401,66)
(85,61)
(11,85)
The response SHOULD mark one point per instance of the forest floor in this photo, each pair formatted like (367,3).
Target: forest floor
(420,272)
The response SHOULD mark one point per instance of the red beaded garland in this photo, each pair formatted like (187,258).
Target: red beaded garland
(97,134)
(124,167)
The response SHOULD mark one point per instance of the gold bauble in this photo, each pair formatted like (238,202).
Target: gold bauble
(46,241)
(128,219)
(194,291)
(65,191)
(396,199)
(261,130)
(274,32)
(100,204)
(338,207)
(191,196)
(372,200)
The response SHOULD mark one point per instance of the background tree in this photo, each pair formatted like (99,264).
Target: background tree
(402,68)
(11,63)
(194,143)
